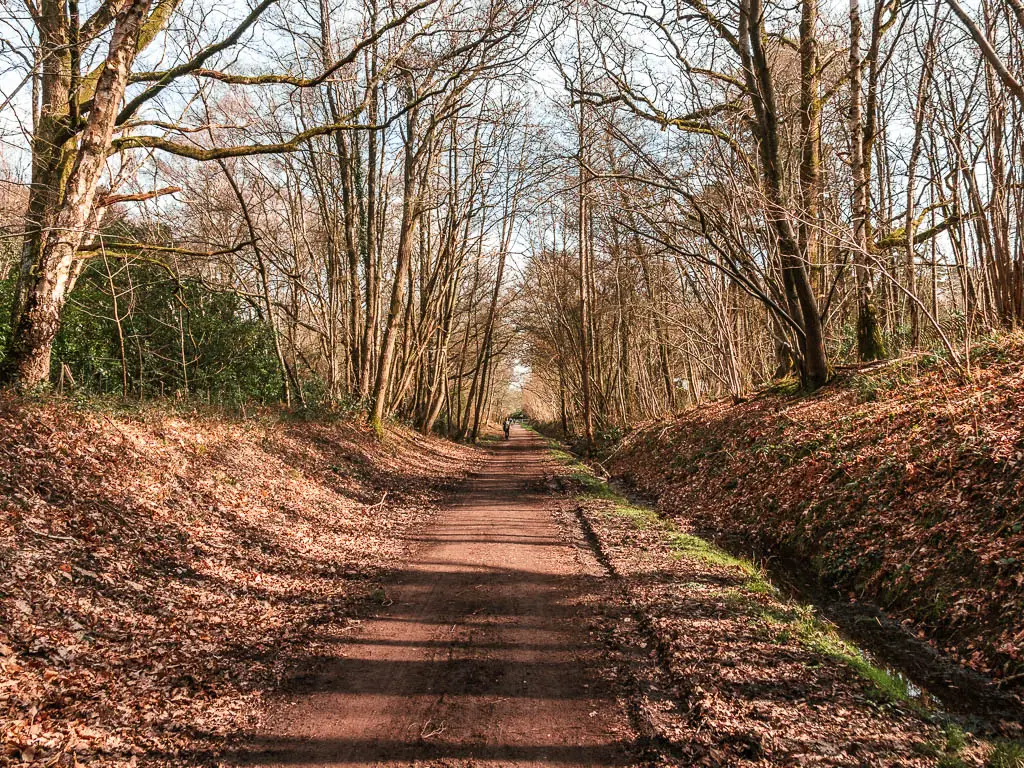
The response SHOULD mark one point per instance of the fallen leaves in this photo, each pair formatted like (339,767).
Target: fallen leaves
(727,681)
(160,574)
(910,500)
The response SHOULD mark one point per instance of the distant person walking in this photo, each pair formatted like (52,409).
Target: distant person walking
(507,426)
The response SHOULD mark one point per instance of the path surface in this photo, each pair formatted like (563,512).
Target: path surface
(484,656)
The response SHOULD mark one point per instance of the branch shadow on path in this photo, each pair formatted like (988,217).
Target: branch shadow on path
(484,651)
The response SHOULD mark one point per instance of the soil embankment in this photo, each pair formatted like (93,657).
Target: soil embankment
(898,487)
(161,572)
(188,590)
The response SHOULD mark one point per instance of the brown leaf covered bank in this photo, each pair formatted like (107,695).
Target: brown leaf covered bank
(900,486)
(158,572)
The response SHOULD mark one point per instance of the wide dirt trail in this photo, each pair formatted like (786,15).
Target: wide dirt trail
(483,656)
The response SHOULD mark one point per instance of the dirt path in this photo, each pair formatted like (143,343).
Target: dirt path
(483,655)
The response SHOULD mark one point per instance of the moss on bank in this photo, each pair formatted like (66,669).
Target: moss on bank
(797,620)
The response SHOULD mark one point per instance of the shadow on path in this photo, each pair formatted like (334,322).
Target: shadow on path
(483,654)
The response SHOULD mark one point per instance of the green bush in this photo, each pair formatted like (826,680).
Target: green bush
(181,339)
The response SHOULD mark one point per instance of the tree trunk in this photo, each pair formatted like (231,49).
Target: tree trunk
(402,269)
(814,368)
(869,333)
(48,267)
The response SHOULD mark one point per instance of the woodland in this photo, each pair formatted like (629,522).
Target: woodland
(404,208)
(272,272)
